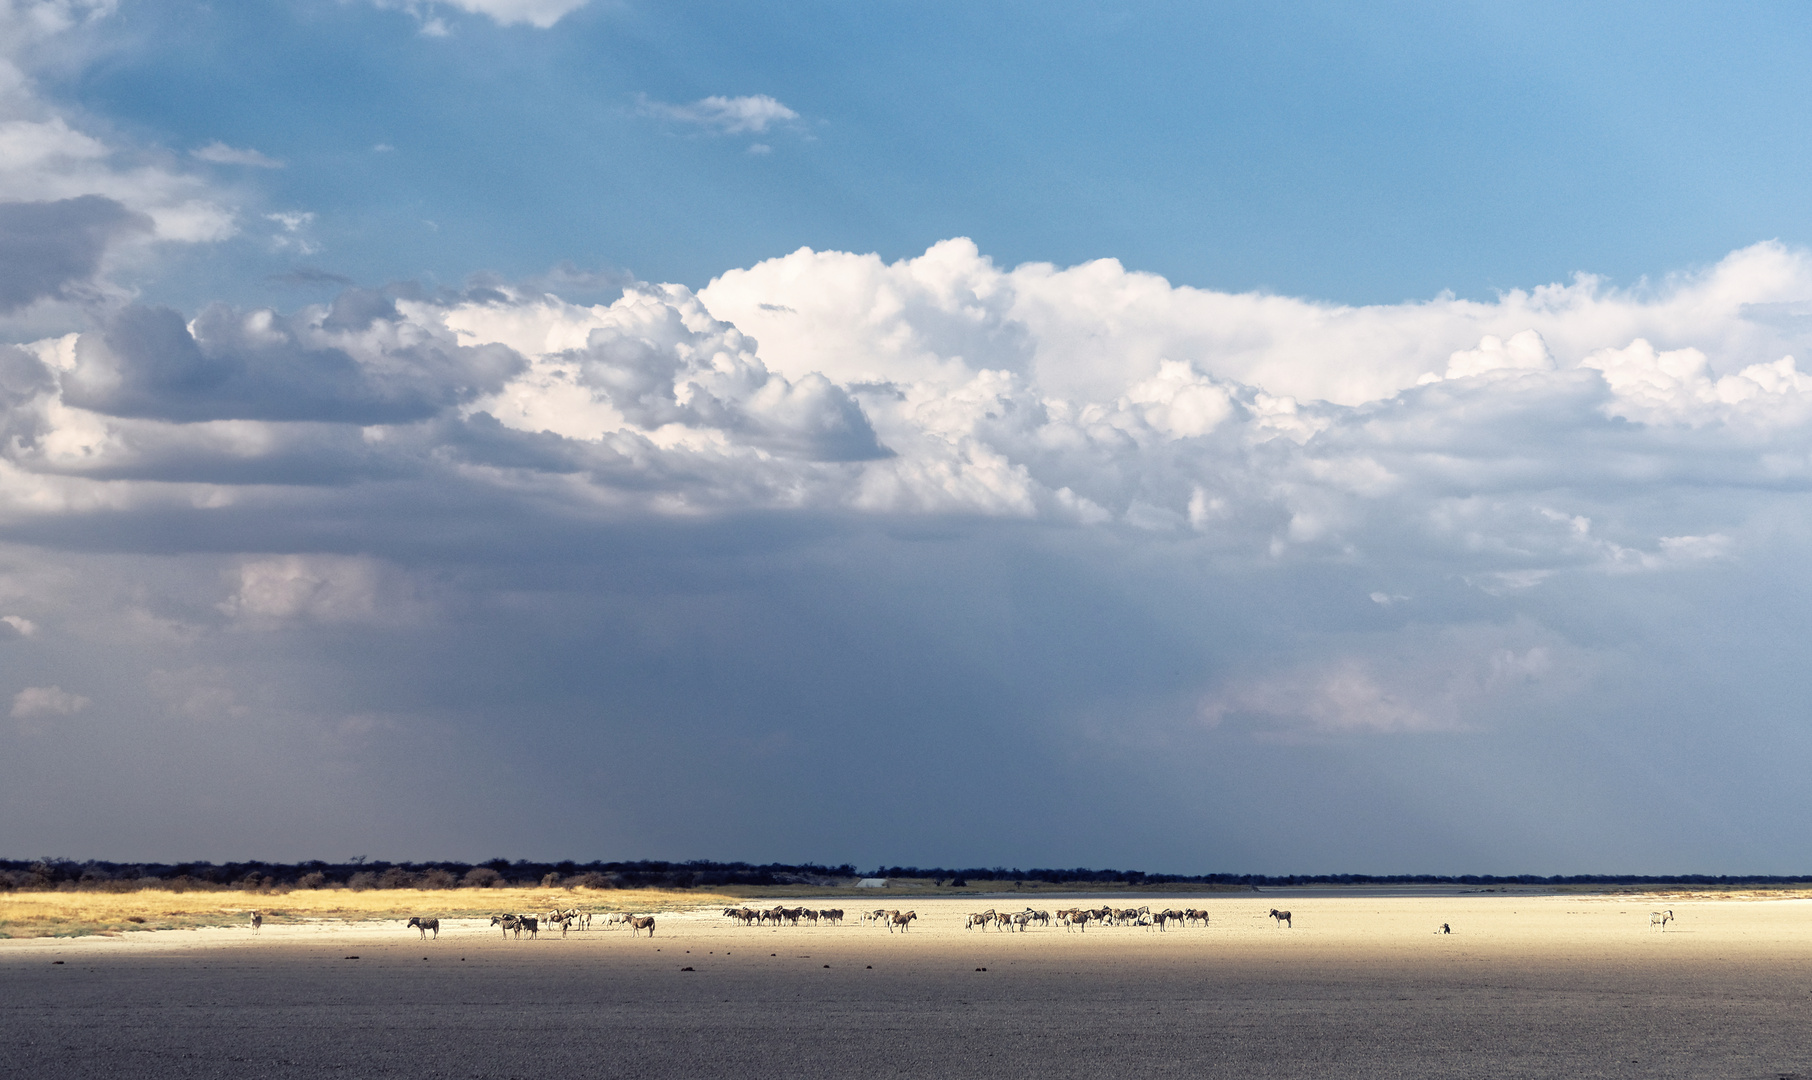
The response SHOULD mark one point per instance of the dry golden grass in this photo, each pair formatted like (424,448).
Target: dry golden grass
(71,914)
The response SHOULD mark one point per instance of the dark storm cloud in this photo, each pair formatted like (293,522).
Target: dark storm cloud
(54,249)
(918,559)
(352,366)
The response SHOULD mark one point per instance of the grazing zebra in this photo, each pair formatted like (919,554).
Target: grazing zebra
(257,920)
(1661,918)
(643,922)
(517,923)
(424,924)
(1283,918)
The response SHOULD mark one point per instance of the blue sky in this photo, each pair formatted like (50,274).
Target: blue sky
(1359,154)
(1307,438)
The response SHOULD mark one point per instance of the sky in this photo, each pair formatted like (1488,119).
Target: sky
(1184,437)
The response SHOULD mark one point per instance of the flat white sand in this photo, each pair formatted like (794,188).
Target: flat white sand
(1358,987)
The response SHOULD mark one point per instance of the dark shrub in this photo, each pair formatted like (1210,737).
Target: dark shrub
(482,877)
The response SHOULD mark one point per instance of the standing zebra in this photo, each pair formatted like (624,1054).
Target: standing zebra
(1283,918)
(257,920)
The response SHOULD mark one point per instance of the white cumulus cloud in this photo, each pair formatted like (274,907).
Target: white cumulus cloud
(220,153)
(541,14)
(38,701)
(723,115)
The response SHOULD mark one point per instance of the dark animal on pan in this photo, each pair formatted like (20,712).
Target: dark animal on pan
(257,920)
(518,923)
(425,924)
(1282,917)
(640,923)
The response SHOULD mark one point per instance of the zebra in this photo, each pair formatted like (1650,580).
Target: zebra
(424,924)
(903,920)
(643,922)
(1661,918)
(1283,918)
(518,923)
(257,920)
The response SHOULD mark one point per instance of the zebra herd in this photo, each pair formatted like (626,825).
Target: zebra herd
(1006,921)
(569,919)
(1078,918)
(784,916)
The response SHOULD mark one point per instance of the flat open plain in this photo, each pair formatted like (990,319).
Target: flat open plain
(1525,986)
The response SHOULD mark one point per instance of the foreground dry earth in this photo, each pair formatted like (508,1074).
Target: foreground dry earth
(1525,986)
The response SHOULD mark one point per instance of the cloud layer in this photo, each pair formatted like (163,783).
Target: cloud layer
(1469,583)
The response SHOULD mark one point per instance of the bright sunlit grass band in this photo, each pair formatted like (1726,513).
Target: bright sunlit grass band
(76,913)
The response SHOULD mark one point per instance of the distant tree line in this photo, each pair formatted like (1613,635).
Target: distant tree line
(358,873)
(1085,876)
(365,874)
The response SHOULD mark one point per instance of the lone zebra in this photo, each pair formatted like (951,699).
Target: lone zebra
(1661,918)
(257,920)
(424,924)
(1283,918)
